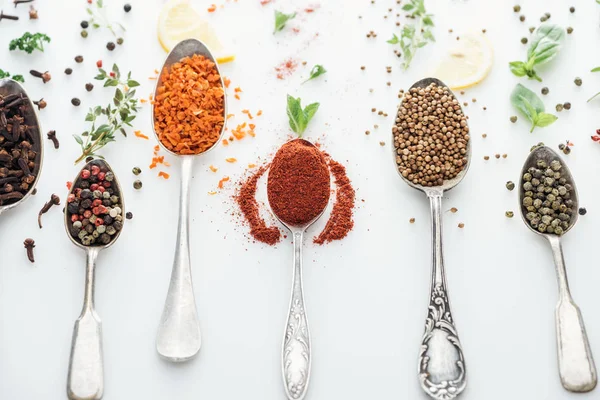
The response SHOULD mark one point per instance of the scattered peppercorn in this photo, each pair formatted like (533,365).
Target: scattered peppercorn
(578,81)
(89,87)
(509,214)
(84,24)
(486,158)
(545,91)
(110,46)
(531,29)
(75,101)
(120,41)
(453,210)
(137,184)
(510,185)
(559,107)
(522,18)
(127,7)
(572,9)
(517,8)
(84,33)
(129,215)
(461,225)
(136,170)
(582,211)
(567,106)
(68,71)
(484,135)
(569,30)
(513,119)
(524,40)
(412,220)
(79,59)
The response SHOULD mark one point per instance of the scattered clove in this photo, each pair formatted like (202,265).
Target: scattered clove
(41,104)
(54,200)
(11,17)
(33,14)
(17,2)
(45,75)
(52,136)
(29,245)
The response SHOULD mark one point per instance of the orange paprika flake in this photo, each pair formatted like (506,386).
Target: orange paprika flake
(222,181)
(212,8)
(140,135)
(231,159)
(213,168)
(164,175)
(226,81)
(225,142)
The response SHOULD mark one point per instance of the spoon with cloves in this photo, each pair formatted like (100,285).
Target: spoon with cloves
(21,145)
(178,337)
(549,204)
(309,194)
(94,217)
(442,370)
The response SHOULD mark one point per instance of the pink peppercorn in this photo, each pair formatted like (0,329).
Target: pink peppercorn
(87,213)
(101,175)
(85,173)
(94,187)
(70,198)
(74,217)
(96,203)
(95,169)
(106,184)
(99,221)
(77,192)
(101,189)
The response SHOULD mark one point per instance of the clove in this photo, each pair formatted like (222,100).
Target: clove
(29,245)
(41,104)
(11,196)
(4,16)
(54,200)
(45,75)
(52,136)
(33,14)
(17,2)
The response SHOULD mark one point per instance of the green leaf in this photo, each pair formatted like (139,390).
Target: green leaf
(408,7)
(78,139)
(131,83)
(118,94)
(18,78)
(531,106)
(394,40)
(427,21)
(310,110)
(518,68)
(281,19)
(111,82)
(597,68)
(545,119)
(315,72)
(545,43)
(296,115)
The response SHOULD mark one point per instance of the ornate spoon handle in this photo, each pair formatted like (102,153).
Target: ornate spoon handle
(296,355)
(441,362)
(86,371)
(575,360)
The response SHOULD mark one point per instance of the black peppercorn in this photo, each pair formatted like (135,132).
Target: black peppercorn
(75,101)
(137,184)
(89,87)
(68,71)
(84,24)
(572,9)
(567,106)
(127,7)
(582,211)
(129,215)
(79,59)
(110,46)
(545,90)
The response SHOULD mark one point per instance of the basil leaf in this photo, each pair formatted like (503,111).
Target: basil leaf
(545,43)
(281,19)
(315,72)
(521,95)
(518,68)
(295,115)
(310,110)
(597,68)
(545,119)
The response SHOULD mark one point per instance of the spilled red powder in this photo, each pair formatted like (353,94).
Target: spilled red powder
(341,221)
(286,68)
(264,2)
(246,200)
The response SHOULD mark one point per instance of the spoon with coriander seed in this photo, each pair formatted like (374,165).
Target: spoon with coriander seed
(298,189)
(188,118)
(93,220)
(21,145)
(432,154)
(549,204)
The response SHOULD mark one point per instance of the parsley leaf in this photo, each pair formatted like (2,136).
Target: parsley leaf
(6,74)
(315,72)
(281,19)
(299,118)
(29,42)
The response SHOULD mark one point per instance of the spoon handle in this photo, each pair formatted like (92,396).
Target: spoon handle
(86,371)
(441,362)
(178,336)
(296,355)
(576,363)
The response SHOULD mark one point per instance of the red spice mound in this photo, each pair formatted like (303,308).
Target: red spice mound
(298,183)
(340,221)
(246,199)
(286,68)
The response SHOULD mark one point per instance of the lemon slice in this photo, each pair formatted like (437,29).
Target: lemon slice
(467,64)
(178,21)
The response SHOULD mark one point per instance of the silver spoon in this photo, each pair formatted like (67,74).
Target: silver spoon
(85,380)
(442,370)
(296,349)
(10,87)
(178,336)
(576,364)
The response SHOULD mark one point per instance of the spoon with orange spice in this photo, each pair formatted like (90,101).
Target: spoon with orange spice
(298,189)
(188,118)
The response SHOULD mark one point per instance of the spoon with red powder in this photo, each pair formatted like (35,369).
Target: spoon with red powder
(298,188)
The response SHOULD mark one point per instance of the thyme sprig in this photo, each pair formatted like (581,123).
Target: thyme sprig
(107,121)
(99,19)
(417,35)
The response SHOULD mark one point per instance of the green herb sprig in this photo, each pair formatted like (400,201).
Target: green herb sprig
(29,42)
(531,106)
(118,114)
(6,74)
(99,20)
(315,72)
(597,69)
(414,36)
(281,19)
(544,46)
(299,117)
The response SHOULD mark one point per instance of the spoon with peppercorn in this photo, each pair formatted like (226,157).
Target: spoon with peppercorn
(178,337)
(442,370)
(549,204)
(93,220)
(21,145)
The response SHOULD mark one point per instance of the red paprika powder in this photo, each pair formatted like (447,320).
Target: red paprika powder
(299,183)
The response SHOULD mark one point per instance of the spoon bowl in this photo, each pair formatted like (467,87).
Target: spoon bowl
(11,87)
(85,379)
(576,364)
(178,337)
(442,369)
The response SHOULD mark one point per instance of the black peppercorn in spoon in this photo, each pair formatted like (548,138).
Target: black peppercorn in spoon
(442,370)
(21,145)
(95,228)
(576,363)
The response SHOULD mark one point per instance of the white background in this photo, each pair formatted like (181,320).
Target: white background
(366,295)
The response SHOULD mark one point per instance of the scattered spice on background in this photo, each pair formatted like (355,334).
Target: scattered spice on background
(54,200)
(29,244)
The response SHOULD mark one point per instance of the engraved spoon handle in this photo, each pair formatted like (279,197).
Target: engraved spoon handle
(85,380)
(296,356)
(576,363)
(178,336)
(441,362)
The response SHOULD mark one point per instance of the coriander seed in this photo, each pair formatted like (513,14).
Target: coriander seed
(461,225)
(412,220)
(572,10)
(79,59)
